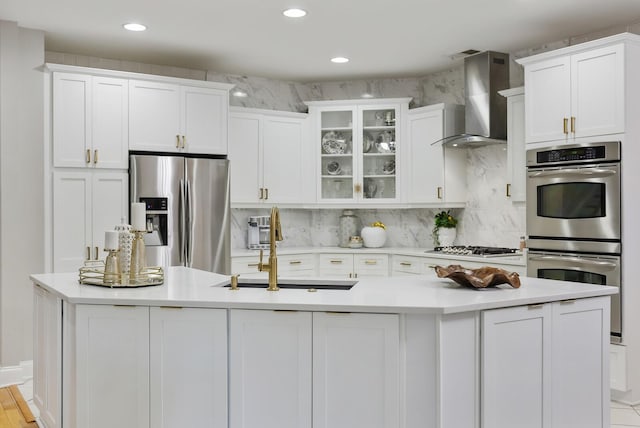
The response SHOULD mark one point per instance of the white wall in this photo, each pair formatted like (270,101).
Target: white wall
(21,185)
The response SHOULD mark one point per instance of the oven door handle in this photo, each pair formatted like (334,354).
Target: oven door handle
(582,172)
(577,260)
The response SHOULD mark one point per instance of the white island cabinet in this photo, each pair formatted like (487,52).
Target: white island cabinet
(415,351)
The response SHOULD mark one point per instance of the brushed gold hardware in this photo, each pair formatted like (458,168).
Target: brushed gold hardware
(357,188)
(295,262)
(508,190)
(96,252)
(536,306)
(567,302)
(284,310)
(565,125)
(261,193)
(370,262)
(95,156)
(439,192)
(311,290)
(87,157)
(88,253)
(234,282)
(252,264)
(177,141)
(275,234)
(355,275)
(266,193)
(171,307)
(405,264)
(124,306)
(335,262)
(337,313)
(184,141)
(350,275)
(573,124)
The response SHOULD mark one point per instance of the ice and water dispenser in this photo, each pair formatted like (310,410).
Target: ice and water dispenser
(157,213)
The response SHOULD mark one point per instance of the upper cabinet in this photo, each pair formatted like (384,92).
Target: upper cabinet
(90,121)
(516,153)
(578,91)
(270,158)
(358,144)
(435,174)
(170,117)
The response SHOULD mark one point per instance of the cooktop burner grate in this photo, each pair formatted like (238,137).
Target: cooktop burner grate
(470,250)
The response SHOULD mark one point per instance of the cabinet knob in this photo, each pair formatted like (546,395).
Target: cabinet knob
(357,188)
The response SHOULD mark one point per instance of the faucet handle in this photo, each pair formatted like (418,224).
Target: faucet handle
(260,265)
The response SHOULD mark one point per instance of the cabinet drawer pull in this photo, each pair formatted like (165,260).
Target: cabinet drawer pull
(565,125)
(370,262)
(95,156)
(87,156)
(406,264)
(184,141)
(439,192)
(170,307)
(335,262)
(508,190)
(252,264)
(567,302)
(177,141)
(124,306)
(536,306)
(295,262)
(573,124)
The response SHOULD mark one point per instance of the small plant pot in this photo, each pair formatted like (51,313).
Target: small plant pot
(446,236)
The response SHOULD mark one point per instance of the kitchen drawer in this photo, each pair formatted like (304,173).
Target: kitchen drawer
(296,263)
(407,265)
(245,264)
(335,264)
(371,264)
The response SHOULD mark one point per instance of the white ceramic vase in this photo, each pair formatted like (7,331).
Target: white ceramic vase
(446,236)
(373,237)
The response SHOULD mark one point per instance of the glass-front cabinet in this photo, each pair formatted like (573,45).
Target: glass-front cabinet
(358,148)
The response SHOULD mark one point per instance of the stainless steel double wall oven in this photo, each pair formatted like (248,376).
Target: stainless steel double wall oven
(573,217)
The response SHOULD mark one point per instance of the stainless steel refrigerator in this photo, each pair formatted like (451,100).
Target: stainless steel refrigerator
(187,200)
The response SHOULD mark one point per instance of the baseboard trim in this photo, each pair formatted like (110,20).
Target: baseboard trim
(16,375)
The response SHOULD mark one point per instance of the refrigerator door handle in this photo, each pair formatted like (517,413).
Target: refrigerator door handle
(188,225)
(183,222)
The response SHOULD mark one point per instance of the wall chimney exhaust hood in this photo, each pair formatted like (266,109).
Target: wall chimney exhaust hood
(485,74)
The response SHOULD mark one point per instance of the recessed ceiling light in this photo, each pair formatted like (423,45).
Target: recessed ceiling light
(294,13)
(339,60)
(239,93)
(132,26)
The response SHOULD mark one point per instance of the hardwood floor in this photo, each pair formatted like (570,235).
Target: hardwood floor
(14,411)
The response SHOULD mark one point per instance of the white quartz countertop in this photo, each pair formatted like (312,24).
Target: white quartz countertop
(411,294)
(517,259)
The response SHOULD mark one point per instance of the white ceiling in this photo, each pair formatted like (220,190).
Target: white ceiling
(383,38)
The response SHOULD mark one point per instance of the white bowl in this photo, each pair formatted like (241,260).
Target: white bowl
(373,237)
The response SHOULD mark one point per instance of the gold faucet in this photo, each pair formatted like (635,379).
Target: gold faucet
(275,234)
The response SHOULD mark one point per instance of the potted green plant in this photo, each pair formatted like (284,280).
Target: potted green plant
(444,230)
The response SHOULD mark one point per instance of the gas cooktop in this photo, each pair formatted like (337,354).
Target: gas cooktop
(468,250)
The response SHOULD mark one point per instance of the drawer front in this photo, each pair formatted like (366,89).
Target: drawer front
(408,264)
(332,264)
(296,263)
(377,264)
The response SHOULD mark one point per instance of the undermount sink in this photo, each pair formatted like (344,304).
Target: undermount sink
(301,284)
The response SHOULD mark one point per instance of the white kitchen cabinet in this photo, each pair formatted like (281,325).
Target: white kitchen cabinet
(288,265)
(575,92)
(358,147)
(356,370)
(344,265)
(516,151)
(85,205)
(47,344)
(435,174)
(112,366)
(178,117)
(90,121)
(188,367)
(420,265)
(550,363)
(270,369)
(270,158)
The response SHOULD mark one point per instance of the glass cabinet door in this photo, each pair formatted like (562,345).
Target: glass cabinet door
(337,154)
(378,153)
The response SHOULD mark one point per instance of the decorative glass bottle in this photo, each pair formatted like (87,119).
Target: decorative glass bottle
(349,224)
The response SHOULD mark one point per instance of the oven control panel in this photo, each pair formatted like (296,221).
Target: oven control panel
(608,151)
(574,154)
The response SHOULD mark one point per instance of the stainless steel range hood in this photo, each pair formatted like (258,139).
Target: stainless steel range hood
(485,74)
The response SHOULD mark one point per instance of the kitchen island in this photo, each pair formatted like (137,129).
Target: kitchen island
(390,352)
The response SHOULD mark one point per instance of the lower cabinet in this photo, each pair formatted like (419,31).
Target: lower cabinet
(301,369)
(288,265)
(138,367)
(551,361)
